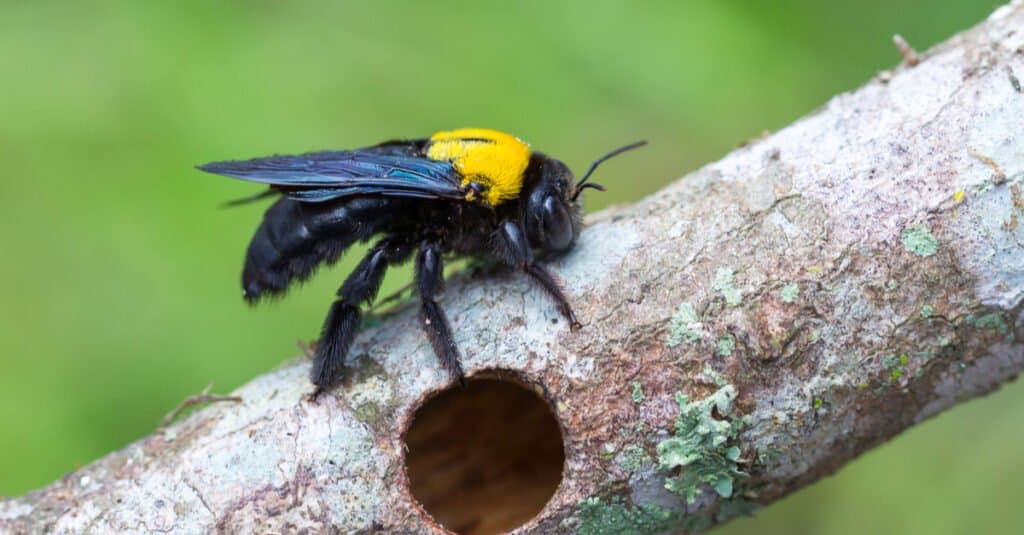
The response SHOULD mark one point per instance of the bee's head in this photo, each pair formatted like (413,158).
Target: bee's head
(554,207)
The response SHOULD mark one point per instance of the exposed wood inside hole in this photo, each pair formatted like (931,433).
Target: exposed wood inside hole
(484,458)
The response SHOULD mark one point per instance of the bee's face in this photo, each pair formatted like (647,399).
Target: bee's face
(552,214)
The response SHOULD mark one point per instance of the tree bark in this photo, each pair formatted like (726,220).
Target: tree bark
(747,330)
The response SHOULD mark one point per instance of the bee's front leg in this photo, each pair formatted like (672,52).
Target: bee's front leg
(513,248)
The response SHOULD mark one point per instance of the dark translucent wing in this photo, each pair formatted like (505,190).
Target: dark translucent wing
(322,176)
(326,194)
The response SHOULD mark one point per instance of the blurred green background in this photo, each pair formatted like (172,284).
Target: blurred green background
(119,289)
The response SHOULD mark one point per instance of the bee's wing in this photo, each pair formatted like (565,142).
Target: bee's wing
(326,175)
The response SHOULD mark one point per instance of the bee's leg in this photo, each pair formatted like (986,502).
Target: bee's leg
(339,329)
(430,281)
(554,289)
(512,246)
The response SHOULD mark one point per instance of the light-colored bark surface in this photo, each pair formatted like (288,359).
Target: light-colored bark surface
(844,279)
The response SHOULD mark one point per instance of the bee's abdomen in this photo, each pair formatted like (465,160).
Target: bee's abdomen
(294,238)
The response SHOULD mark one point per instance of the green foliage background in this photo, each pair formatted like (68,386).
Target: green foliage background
(118,279)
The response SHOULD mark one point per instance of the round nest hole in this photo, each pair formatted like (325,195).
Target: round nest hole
(484,458)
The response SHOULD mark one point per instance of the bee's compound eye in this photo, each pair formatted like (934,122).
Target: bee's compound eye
(557,225)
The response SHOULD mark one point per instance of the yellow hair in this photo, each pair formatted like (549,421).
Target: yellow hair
(493,159)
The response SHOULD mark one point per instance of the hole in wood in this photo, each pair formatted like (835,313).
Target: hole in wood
(484,458)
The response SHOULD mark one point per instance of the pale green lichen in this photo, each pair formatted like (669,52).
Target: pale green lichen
(714,376)
(768,455)
(684,327)
(633,457)
(919,240)
(891,361)
(702,449)
(992,320)
(368,413)
(638,392)
(723,283)
(637,429)
(790,292)
(596,517)
(725,346)
(896,365)
(927,311)
(370,395)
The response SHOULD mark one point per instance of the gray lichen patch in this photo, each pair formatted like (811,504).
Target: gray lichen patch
(918,239)
(707,465)
(992,320)
(703,449)
(597,517)
(991,230)
(633,458)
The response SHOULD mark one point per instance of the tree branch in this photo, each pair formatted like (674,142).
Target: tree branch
(811,295)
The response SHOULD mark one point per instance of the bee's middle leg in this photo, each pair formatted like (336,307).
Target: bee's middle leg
(430,281)
(343,319)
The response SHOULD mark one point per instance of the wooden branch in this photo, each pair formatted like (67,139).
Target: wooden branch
(748,329)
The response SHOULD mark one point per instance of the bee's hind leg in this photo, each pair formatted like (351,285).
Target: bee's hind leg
(343,319)
(512,247)
(430,282)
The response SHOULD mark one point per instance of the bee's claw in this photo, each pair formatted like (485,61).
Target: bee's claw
(314,396)
(307,348)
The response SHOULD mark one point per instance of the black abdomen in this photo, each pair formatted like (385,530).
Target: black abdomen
(295,237)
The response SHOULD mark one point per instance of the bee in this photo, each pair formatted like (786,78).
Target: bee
(463,192)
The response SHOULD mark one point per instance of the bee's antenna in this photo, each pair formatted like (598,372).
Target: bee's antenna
(583,184)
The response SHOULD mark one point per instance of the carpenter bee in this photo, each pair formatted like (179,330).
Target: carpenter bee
(468,191)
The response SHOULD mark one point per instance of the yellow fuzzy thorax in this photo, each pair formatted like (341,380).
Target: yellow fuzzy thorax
(493,159)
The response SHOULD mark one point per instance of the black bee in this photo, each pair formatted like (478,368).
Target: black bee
(462,192)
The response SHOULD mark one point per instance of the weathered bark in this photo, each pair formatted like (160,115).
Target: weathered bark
(845,278)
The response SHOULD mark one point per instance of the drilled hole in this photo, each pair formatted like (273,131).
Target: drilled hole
(484,458)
